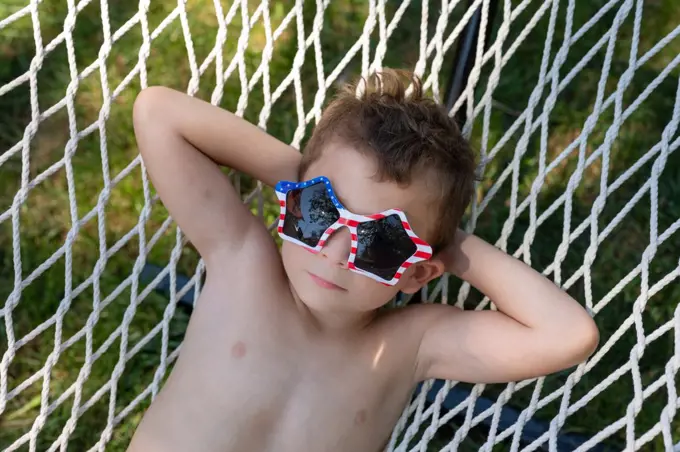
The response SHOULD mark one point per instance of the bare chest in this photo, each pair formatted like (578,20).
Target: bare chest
(258,382)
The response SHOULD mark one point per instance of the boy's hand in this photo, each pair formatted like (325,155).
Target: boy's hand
(538,328)
(182,141)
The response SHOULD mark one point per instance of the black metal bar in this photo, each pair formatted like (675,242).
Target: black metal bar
(466,55)
(149,273)
(463,63)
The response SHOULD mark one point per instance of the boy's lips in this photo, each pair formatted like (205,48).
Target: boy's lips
(319,281)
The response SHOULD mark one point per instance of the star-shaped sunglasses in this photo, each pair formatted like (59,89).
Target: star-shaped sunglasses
(383,244)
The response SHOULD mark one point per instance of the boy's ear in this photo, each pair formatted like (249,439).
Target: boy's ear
(422,273)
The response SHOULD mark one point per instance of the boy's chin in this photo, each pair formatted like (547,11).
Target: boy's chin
(318,297)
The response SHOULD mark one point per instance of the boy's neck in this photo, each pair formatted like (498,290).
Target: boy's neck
(337,323)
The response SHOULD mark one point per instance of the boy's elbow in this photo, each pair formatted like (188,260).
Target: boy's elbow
(151,118)
(148,107)
(587,339)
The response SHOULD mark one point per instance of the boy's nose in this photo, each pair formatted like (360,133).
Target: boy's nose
(338,246)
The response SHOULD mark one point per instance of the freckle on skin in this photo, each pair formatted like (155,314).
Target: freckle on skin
(360,417)
(238,350)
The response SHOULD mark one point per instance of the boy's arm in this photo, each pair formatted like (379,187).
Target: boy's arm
(183,140)
(538,328)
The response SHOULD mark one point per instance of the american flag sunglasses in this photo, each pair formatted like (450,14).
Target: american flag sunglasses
(383,244)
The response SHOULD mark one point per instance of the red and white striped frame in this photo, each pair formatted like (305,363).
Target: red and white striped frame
(351,220)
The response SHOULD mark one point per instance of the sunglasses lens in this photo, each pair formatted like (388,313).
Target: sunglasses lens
(383,246)
(309,212)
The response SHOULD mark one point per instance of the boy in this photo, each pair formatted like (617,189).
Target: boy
(288,351)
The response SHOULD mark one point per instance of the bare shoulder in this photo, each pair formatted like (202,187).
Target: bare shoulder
(409,327)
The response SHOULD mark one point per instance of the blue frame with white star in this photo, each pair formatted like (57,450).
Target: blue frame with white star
(284,187)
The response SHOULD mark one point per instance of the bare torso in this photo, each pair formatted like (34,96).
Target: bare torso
(255,375)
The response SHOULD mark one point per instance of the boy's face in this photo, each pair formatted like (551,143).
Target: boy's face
(322,281)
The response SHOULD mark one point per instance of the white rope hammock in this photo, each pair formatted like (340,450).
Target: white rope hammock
(523,150)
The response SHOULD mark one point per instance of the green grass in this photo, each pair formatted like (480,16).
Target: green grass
(45,218)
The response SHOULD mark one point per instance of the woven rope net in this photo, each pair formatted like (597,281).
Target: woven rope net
(575,116)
